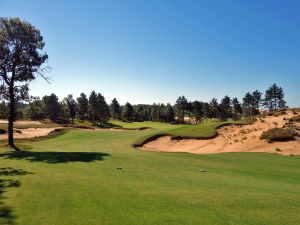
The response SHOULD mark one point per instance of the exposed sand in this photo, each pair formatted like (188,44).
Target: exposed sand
(30,133)
(232,138)
(23,122)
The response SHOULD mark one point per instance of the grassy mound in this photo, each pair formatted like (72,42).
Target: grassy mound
(278,134)
(202,131)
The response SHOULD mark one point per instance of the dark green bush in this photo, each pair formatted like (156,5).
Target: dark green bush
(278,134)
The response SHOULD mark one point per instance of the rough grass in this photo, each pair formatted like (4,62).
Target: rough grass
(278,134)
(72,179)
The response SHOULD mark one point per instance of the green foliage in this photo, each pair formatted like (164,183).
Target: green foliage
(51,106)
(103,109)
(128,112)
(170,114)
(198,110)
(36,110)
(115,109)
(93,105)
(82,106)
(181,107)
(274,98)
(72,106)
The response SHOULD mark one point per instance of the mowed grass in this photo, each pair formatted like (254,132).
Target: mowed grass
(73,179)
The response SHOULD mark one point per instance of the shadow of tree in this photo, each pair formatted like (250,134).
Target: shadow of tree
(6,212)
(55,157)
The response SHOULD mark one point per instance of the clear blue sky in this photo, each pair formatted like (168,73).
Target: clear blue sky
(153,51)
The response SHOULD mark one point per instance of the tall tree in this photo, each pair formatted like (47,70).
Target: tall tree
(274,98)
(170,114)
(115,109)
(155,112)
(225,108)
(128,112)
(214,108)
(93,106)
(72,107)
(82,106)
(181,106)
(103,109)
(20,62)
(207,112)
(256,95)
(36,109)
(51,106)
(198,111)
(248,104)
(237,107)
(189,110)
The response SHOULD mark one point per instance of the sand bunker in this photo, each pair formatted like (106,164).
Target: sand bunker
(232,138)
(30,133)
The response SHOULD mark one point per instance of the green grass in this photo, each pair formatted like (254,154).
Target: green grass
(72,179)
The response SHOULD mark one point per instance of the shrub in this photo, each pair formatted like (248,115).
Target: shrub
(295,119)
(250,120)
(278,134)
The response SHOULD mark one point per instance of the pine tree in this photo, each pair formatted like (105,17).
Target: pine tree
(274,98)
(170,114)
(82,108)
(237,107)
(93,106)
(51,106)
(198,111)
(102,109)
(256,95)
(72,106)
(225,108)
(128,112)
(181,106)
(115,109)
(214,108)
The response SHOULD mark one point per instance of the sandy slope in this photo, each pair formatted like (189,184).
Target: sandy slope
(232,139)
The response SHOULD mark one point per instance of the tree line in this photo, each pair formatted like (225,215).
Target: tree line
(95,108)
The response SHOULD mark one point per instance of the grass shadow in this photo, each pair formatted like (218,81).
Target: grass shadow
(55,157)
(6,212)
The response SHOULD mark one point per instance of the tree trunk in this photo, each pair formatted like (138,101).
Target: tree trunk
(11,118)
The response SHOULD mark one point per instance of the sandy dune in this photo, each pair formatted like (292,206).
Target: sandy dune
(232,138)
